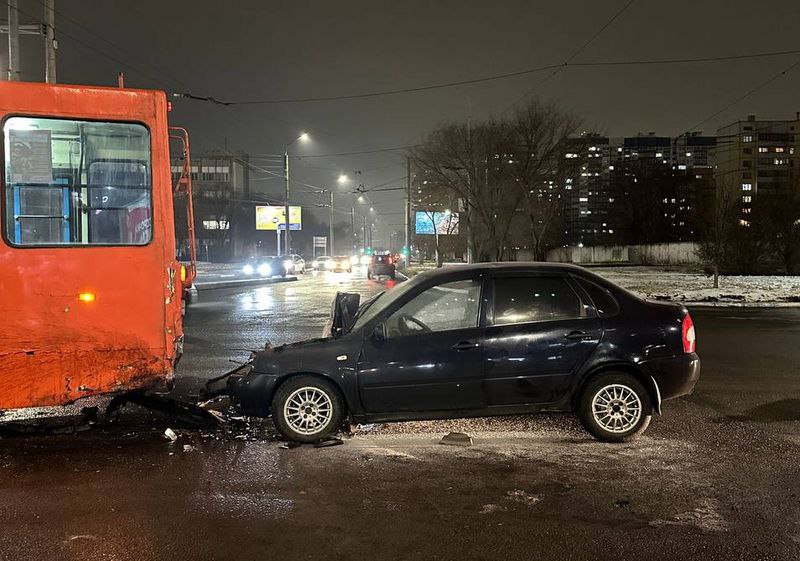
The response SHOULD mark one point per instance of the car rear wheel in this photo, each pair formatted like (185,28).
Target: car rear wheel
(307,409)
(615,407)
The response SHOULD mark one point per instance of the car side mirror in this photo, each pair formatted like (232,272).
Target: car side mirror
(379,333)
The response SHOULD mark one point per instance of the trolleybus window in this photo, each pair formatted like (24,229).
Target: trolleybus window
(76,182)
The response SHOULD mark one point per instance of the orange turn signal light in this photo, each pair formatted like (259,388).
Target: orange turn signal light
(86,297)
(183,273)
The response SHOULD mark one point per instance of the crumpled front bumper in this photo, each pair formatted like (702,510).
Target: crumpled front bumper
(250,390)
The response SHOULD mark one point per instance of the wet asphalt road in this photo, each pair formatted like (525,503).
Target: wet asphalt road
(716,477)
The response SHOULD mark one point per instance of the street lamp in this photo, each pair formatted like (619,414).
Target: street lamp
(286,240)
(342,179)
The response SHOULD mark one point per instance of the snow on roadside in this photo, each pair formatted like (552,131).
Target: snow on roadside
(683,286)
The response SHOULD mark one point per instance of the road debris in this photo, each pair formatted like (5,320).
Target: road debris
(456,439)
(520,496)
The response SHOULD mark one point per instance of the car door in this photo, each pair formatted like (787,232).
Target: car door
(430,356)
(539,333)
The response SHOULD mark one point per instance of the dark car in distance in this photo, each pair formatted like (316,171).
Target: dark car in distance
(480,340)
(381,265)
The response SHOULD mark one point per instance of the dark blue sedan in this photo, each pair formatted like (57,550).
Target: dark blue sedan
(480,340)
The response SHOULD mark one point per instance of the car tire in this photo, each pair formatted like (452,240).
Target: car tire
(325,417)
(615,407)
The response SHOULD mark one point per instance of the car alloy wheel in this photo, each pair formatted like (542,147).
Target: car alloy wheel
(308,410)
(616,408)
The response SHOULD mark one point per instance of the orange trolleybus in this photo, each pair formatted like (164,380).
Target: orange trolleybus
(90,288)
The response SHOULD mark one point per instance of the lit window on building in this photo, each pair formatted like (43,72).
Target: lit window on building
(747,186)
(763,149)
(747,199)
(747,138)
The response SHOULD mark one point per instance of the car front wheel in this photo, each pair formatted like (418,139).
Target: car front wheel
(307,409)
(615,407)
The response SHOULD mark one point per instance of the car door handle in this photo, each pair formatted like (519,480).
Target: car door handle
(465,345)
(579,335)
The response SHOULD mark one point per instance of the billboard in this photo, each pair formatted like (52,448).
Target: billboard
(273,217)
(436,222)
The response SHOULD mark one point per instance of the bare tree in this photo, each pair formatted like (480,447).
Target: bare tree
(542,136)
(778,216)
(472,163)
(719,226)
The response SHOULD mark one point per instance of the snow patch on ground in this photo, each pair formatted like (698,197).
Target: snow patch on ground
(685,286)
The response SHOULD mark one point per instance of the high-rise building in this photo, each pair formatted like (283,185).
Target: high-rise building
(221,208)
(756,158)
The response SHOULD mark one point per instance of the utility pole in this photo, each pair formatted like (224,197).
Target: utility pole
(353,223)
(364,232)
(13,41)
(331,225)
(408,207)
(50,44)
(286,235)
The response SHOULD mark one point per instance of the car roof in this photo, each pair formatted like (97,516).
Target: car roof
(506,266)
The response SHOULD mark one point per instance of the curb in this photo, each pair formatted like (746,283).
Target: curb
(734,304)
(215,285)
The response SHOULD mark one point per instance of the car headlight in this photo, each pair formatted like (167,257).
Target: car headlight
(264,270)
(288,264)
(315,263)
(248,269)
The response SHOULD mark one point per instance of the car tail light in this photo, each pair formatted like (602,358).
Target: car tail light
(688,335)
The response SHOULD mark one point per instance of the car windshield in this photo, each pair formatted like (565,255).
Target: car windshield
(369,311)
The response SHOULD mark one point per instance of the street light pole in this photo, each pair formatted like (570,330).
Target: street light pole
(331,224)
(286,235)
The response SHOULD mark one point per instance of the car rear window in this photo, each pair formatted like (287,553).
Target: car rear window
(604,302)
(529,299)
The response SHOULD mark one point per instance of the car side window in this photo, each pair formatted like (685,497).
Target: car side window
(444,307)
(605,304)
(533,298)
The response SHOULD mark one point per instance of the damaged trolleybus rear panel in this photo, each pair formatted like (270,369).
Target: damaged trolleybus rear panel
(89,284)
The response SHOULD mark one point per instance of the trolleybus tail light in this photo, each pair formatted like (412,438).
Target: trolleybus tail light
(183,273)
(86,297)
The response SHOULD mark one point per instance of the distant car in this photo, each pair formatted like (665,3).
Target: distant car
(381,265)
(296,264)
(320,263)
(480,340)
(266,267)
(340,264)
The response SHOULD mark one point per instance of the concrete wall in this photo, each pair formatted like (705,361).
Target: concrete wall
(651,254)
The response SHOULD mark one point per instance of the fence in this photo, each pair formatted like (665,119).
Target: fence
(650,254)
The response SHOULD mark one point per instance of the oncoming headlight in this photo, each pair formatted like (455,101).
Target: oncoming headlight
(264,270)
(248,269)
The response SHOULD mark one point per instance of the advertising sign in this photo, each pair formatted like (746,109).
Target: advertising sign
(436,222)
(273,218)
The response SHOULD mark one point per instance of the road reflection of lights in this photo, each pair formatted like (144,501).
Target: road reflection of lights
(258,300)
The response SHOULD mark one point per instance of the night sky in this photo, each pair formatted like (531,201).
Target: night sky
(246,50)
